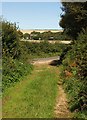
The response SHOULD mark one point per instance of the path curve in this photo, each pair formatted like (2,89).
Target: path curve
(45,60)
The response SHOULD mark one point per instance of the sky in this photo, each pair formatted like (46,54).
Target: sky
(33,15)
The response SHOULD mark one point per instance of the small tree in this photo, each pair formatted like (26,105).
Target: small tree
(10,39)
(74,18)
(26,36)
(35,35)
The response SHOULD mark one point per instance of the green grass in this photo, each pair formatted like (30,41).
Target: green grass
(34,97)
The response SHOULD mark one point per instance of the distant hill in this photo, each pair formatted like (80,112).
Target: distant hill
(40,30)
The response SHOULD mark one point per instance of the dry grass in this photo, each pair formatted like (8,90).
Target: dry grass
(41,31)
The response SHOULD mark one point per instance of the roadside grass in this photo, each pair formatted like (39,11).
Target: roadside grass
(34,97)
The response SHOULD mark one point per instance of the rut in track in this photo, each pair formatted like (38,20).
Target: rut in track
(61,109)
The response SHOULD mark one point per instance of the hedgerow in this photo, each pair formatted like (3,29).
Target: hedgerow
(14,60)
(13,71)
(74,75)
(43,48)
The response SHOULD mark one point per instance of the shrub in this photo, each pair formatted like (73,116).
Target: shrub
(75,62)
(10,39)
(43,48)
(14,60)
(13,71)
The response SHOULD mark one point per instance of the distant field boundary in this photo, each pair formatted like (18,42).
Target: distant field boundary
(50,41)
(41,30)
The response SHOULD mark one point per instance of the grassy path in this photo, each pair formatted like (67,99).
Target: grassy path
(37,96)
(34,97)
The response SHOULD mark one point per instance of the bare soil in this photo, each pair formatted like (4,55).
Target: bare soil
(47,61)
(61,109)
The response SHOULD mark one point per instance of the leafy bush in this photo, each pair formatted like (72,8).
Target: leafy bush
(43,48)
(14,58)
(10,39)
(13,70)
(26,36)
(74,74)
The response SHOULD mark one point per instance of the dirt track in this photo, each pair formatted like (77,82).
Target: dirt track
(61,109)
(45,60)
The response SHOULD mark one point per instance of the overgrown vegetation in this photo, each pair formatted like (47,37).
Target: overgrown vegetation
(13,71)
(74,76)
(43,49)
(74,73)
(14,61)
(74,18)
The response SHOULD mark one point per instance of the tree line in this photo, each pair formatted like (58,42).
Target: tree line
(44,36)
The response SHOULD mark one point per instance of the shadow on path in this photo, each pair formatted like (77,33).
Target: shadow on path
(55,63)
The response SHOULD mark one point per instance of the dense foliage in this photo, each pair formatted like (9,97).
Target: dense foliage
(13,57)
(74,73)
(43,49)
(26,36)
(54,36)
(10,40)
(74,18)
